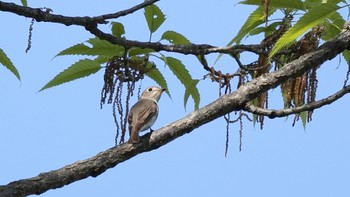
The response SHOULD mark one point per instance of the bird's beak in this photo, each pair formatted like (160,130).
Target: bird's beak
(163,89)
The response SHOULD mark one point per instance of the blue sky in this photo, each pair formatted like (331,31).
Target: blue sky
(47,130)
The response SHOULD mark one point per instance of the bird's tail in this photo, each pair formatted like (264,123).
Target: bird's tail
(134,137)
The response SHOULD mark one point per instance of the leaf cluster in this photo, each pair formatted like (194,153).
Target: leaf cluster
(102,51)
(308,20)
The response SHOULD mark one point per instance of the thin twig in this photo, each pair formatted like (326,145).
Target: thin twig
(271,113)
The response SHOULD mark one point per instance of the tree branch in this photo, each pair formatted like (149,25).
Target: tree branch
(271,113)
(186,49)
(127,11)
(44,15)
(90,23)
(234,101)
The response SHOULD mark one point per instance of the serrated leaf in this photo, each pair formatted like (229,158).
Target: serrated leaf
(267,30)
(310,19)
(337,20)
(255,19)
(99,47)
(257,31)
(175,38)
(303,116)
(255,117)
(103,47)
(118,29)
(191,89)
(80,69)
(78,49)
(158,77)
(285,4)
(24,3)
(346,55)
(5,61)
(154,17)
(331,30)
(102,59)
(184,77)
(139,51)
(333,25)
(313,3)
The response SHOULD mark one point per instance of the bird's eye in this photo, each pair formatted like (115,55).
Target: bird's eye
(149,89)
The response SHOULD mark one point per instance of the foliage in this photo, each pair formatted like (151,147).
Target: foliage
(104,51)
(313,17)
(154,17)
(254,20)
(127,65)
(281,22)
(315,20)
(175,38)
(184,76)
(24,3)
(80,69)
(290,30)
(5,61)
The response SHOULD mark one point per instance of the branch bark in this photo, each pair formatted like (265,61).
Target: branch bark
(271,113)
(45,14)
(234,101)
(90,23)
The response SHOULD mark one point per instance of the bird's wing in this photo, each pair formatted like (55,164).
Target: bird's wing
(146,111)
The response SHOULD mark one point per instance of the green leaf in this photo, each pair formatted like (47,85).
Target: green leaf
(139,51)
(255,19)
(267,30)
(255,117)
(24,3)
(191,89)
(80,69)
(102,59)
(5,61)
(333,25)
(303,116)
(285,4)
(346,55)
(257,31)
(313,3)
(117,29)
(175,38)
(103,47)
(78,49)
(99,47)
(154,17)
(185,78)
(331,30)
(310,19)
(158,77)
(337,20)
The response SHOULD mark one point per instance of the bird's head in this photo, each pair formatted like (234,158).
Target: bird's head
(153,92)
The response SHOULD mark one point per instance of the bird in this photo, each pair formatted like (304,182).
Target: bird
(144,112)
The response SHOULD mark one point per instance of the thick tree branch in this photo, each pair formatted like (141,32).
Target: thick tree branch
(194,49)
(271,113)
(44,14)
(127,11)
(90,23)
(223,105)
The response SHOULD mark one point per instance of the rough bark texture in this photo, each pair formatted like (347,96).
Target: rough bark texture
(235,101)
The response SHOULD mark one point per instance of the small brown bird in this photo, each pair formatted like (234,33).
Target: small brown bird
(144,113)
